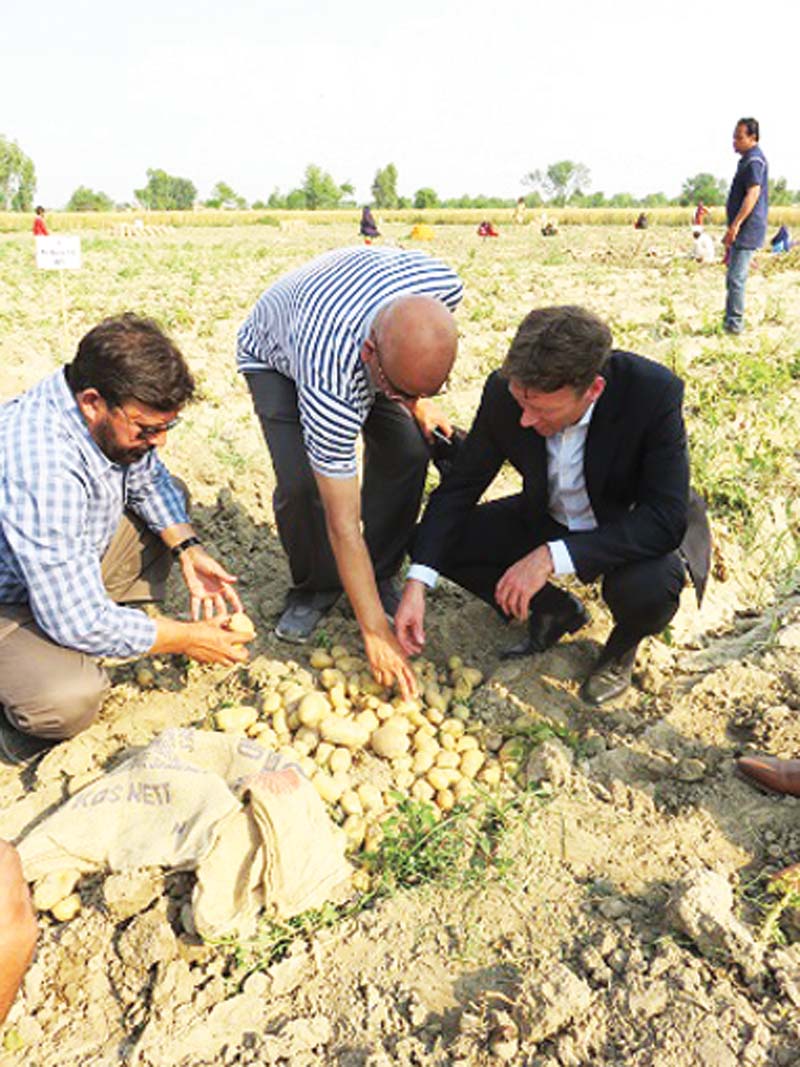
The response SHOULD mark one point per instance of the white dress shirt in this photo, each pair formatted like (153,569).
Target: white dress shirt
(567,499)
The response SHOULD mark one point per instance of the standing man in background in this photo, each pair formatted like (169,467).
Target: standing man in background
(747,218)
(701,213)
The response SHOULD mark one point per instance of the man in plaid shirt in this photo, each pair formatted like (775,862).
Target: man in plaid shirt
(89,521)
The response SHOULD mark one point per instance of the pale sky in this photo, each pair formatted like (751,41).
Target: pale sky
(461,96)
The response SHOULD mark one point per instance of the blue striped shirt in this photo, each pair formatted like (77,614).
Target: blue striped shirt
(61,499)
(311,326)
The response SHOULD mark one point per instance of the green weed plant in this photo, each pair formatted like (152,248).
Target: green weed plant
(462,850)
(771,897)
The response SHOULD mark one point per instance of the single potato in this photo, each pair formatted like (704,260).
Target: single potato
(239,623)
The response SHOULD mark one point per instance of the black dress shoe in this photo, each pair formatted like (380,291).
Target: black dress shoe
(609,679)
(546,628)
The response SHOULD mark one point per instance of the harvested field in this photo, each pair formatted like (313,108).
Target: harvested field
(621,911)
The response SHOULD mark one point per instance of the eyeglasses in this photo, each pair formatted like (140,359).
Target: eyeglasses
(147,433)
(388,388)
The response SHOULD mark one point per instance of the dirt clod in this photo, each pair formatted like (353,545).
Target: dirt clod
(701,905)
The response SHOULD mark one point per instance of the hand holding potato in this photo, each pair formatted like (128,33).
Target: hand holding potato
(213,641)
(206,640)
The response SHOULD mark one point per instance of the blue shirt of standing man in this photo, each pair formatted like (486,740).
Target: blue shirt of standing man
(746,209)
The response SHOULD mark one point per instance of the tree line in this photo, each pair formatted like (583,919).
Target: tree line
(560,184)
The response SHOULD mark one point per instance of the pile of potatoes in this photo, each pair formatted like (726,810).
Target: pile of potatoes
(358,744)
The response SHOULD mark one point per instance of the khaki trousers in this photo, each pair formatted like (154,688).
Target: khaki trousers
(55,692)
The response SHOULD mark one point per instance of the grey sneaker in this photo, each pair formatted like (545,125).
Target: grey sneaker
(16,748)
(302,614)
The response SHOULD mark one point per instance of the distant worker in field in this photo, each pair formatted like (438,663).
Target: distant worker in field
(519,211)
(39,225)
(487,229)
(746,211)
(90,520)
(597,436)
(701,213)
(782,241)
(703,250)
(352,344)
(642,222)
(368,227)
(421,231)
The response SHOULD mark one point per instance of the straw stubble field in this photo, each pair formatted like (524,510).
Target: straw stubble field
(545,933)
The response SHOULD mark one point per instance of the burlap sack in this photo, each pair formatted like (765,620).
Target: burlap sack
(279,852)
(179,804)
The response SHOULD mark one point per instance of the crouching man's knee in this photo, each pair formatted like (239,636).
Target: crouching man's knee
(646,594)
(64,704)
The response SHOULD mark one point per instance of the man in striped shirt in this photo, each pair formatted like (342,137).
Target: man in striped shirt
(89,517)
(353,343)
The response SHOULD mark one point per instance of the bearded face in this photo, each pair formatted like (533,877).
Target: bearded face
(116,445)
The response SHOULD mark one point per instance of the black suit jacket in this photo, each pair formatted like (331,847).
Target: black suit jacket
(636,467)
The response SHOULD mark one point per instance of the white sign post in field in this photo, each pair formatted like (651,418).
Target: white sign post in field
(59,252)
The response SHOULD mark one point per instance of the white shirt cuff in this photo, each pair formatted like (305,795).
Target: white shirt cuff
(427,575)
(562,560)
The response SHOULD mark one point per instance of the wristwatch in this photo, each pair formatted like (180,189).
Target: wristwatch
(180,548)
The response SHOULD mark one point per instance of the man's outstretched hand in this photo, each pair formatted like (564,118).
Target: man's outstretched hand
(211,588)
(389,665)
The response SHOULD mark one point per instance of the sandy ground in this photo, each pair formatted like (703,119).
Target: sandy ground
(634,925)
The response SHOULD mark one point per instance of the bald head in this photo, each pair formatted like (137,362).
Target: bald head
(417,341)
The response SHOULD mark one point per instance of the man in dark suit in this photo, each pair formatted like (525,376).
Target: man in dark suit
(599,440)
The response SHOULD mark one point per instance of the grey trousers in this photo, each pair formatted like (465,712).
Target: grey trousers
(395,462)
(55,692)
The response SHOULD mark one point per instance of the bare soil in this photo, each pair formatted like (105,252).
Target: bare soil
(612,939)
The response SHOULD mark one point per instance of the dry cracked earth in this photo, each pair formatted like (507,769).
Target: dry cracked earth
(633,923)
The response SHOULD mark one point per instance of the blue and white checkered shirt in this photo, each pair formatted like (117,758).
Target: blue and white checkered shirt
(311,326)
(61,500)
